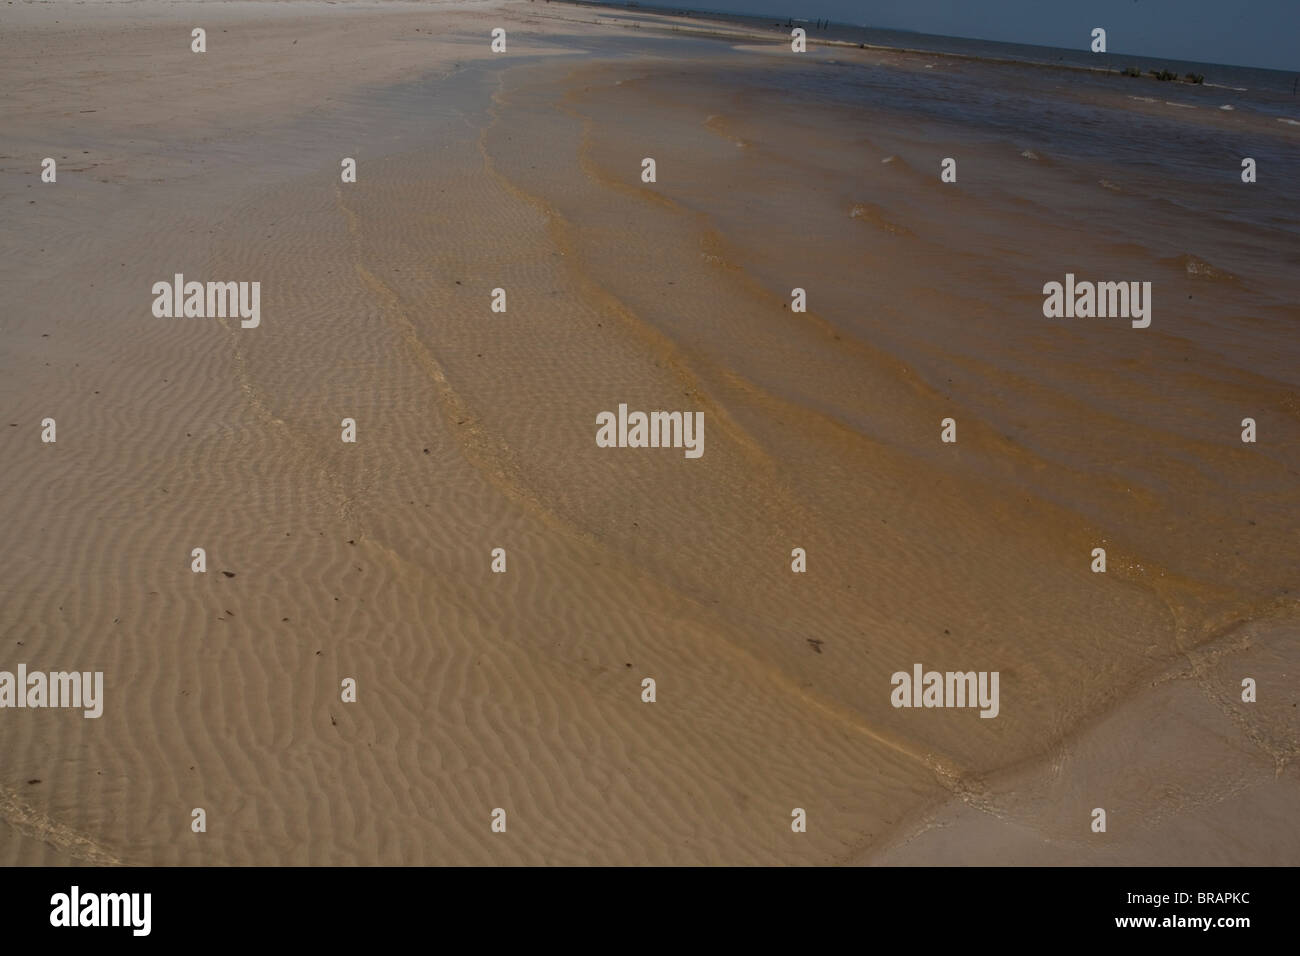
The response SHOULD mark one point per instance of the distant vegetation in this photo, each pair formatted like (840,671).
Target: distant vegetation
(1164,75)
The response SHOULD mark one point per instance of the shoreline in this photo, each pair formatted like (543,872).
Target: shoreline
(752,21)
(479,689)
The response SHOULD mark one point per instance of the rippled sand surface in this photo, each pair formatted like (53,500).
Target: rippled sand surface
(522,690)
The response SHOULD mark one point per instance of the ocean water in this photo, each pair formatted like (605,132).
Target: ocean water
(822,173)
(1175,143)
(1277,88)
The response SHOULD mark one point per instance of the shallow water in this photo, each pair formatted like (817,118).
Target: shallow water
(822,433)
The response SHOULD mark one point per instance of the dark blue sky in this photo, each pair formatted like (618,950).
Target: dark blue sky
(1243,32)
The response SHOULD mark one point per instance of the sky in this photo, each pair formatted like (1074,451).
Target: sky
(1262,33)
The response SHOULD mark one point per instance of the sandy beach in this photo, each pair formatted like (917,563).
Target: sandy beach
(373,560)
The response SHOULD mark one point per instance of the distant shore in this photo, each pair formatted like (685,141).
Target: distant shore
(833,35)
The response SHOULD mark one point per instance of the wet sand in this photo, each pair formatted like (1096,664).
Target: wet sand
(522,690)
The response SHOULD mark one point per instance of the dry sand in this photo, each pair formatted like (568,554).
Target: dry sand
(475,431)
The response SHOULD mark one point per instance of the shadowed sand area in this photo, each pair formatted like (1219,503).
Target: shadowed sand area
(476,431)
